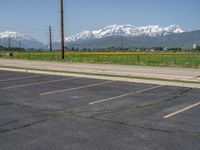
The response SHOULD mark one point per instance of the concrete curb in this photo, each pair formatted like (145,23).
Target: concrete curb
(104,77)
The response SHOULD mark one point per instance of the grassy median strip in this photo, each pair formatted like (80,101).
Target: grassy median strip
(105,75)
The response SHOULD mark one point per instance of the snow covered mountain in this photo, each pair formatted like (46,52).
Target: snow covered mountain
(16,38)
(126,31)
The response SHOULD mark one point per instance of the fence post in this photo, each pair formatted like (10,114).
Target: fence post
(138,59)
(174,60)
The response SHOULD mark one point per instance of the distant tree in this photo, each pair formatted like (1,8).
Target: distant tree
(158,48)
(66,47)
(197,49)
(72,49)
(1,48)
(177,49)
(84,49)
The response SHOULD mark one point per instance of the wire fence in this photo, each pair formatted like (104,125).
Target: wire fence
(190,60)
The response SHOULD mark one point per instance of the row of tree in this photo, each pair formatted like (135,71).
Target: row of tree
(17,49)
(110,49)
(114,49)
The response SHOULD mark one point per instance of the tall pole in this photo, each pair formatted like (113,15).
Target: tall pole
(19,44)
(122,42)
(62,30)
(9,44)
(50,40)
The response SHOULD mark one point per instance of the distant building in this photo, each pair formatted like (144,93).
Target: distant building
(194,46)
(138,50)
(165,49)
(152,50)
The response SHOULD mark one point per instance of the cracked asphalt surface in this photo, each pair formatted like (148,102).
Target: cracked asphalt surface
(130,117)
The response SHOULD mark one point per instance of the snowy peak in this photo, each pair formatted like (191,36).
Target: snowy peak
(16,37)
(127,31)
(174,29)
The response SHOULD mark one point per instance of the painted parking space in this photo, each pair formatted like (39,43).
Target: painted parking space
(48,108)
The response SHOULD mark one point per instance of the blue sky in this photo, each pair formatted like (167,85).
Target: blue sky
(34,16)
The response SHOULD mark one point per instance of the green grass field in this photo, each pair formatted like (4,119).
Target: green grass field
(180,59)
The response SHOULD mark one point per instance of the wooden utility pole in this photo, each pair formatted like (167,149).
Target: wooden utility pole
(50,39)
(19,44)
(9,43)
(62,30)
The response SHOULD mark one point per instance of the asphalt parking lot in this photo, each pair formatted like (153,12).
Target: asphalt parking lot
(52,112)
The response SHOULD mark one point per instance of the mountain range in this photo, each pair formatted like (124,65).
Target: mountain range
(126,31)
(19,39)
(115,36)
(131,36)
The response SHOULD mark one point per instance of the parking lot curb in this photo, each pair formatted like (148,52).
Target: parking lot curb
(136,79)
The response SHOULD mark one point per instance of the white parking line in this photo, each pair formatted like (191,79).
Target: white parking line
(182,110)
(76,88)
(38,83)
(124,95)
(21,78)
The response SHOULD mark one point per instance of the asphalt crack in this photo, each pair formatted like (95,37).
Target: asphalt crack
(23,126)
(4,103)
(62,113)
(21,123)
(133,106)
(196,134)
(20,120)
